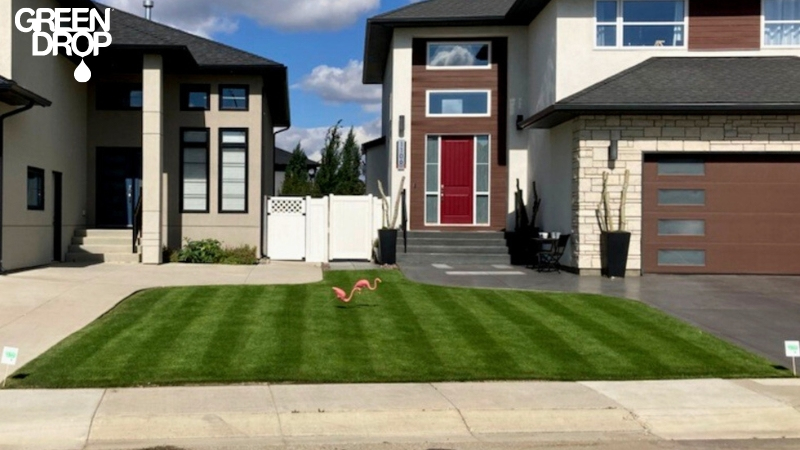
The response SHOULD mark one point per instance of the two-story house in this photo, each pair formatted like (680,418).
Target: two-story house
(699,100)
(185,121)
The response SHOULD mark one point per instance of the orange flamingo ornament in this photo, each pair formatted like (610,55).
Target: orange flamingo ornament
(365,284)
(342,295)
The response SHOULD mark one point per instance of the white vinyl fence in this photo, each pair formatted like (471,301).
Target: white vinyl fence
(321,230)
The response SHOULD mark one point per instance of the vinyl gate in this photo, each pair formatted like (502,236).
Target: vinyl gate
(286,229)
(321,230)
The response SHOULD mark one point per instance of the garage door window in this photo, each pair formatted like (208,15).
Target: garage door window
(681,197)
(682,168)
(692,258)
(681,228)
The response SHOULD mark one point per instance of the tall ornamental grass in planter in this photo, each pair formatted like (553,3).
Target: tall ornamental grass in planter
(387,235)
(614,242)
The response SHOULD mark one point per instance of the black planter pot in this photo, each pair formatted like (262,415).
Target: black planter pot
(614,248)
(387,245)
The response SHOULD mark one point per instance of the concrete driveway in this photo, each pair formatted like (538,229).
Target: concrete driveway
(756,312)
(39,308)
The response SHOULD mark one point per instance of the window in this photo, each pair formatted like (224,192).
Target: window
(233,171)
(482,180)
(781,23)
(233,98)
(685,197)
(119,96)
(681,228)
(194,170)
(195,97)
(432,180)
(35,189)
(458,103)
(679,167)
(640,23)
(459,55)
(695,258)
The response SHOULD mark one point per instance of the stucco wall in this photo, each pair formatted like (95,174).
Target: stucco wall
(53,139)
(123,129)
(518,85)
(580,65)
(640,134)
(6,35)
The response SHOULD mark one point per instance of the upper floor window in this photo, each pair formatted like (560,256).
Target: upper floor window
(459,103)
(459,55)
(233,97)
(781,23)
(119,96)
(641,23)
(195,97)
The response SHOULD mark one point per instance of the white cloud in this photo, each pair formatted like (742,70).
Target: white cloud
(339,85)
(313,139)
(206,17)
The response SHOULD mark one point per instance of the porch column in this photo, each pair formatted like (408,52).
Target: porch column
(153,156)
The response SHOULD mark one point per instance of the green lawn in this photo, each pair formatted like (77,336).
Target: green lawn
(402,332)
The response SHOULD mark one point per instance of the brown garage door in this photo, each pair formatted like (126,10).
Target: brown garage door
(721,214)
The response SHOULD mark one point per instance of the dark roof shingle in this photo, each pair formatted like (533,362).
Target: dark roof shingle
(687,85)
(437,9)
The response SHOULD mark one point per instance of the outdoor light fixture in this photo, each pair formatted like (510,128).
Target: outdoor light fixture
(613,150)
(402,126)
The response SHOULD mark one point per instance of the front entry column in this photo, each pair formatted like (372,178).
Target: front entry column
(152,157)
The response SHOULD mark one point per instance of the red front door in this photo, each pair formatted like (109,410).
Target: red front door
(458,167)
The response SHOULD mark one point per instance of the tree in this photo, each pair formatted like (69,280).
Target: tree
(297,181)
(349,174)
(326,179)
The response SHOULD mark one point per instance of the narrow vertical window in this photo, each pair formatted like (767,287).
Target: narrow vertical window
(233,171)
(194,170)
(35,189)
(432,180)
(482,159)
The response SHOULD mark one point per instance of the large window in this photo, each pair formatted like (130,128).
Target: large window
(119,96)
(234,97)
(459,55)
(233,171)
(782,23)
(194,170)
(641,23)
(35,189)
(458,103)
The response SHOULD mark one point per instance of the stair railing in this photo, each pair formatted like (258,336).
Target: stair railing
(137,223)
(404,223)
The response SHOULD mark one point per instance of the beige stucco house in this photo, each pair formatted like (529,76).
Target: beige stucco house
(699,100)
(185,121)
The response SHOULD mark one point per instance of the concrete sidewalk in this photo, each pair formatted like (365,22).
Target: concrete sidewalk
(441,412)
(39,308)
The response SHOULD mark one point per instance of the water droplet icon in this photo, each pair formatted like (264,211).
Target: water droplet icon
(83,73)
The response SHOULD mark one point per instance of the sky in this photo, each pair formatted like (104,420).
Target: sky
(320,41)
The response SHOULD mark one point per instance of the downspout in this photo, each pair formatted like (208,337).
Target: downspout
(3,117)
(263,211)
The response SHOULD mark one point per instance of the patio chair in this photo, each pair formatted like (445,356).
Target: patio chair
(549,260)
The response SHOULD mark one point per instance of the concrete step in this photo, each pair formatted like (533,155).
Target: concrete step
(470,250)
(455,242)
(450,258)
(470,235)
(98,249)
(104,233)
(85,240)
(129,258)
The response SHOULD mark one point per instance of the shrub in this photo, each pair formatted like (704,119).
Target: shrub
(210,251)
(207,251)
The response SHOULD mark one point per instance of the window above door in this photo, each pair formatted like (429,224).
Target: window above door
(452,103)
(459,55)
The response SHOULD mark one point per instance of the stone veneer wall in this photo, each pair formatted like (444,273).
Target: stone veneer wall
(639,134)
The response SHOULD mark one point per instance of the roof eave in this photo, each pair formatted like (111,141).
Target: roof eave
(15,95)
(558,114)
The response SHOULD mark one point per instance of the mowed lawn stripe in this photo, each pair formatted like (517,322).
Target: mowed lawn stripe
(403,332)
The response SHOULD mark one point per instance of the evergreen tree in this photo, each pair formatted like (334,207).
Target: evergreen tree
(349,175)
(326,179)
(297,181)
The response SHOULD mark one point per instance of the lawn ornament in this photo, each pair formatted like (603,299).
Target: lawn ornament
(342,295)
(365,284)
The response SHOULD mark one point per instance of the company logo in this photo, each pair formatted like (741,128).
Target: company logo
(69,30)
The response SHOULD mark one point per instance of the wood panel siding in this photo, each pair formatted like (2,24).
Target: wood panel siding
(725,25)
(494,126)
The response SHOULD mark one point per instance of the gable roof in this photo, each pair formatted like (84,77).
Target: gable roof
(439,13)
(13,94)
(134,33)
(687,85)
(282,158)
